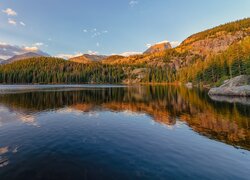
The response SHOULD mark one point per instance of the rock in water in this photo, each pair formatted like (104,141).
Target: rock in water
(238,86)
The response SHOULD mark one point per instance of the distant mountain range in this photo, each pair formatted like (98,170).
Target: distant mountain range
(87,58)
(24,56)
(207,57)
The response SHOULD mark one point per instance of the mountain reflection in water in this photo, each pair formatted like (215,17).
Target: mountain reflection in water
(225,122)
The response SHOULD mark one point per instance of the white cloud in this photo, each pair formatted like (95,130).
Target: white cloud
(92,52)
(96,34)
(8,50)
(3,43)
(11,21)
(130,53)
(97,44)
(10,12)
(32,48)
(161,42)
(68,56)
(132,3)
(38,44)
(175,43)
(22,23)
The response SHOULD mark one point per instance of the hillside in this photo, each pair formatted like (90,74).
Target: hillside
(87,58)
(196,47)
(232,62)
(218,39)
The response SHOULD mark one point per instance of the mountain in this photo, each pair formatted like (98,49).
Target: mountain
(196,48)
(111,59)
(25,56)
(206,58)
(216,40)
(7,50)
(87,58)
(159,47)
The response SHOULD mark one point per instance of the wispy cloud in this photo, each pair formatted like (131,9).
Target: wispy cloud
(133,3)
(98,33)
(38,44)
(7,50)
(31,48)
(95,32)
(173,43)
(11,21)
(22,23)
(77,54)
(93,52)
(130,53)
(10,12)
(68,56)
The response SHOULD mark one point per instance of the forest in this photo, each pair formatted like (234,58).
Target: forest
(210,70)
(214,70)
(49,70)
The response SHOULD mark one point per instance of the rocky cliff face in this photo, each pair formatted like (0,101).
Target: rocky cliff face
(213,44)
(160,47)
(217,39)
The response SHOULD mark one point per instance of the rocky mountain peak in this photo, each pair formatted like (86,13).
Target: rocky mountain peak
(159,47)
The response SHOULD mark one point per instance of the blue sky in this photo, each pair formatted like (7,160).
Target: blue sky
(110,26)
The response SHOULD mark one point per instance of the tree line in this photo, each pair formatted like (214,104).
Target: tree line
(212,70)
(233,62)
(49,70)
(54,70)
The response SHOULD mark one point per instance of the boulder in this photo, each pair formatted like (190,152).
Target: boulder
(238,86)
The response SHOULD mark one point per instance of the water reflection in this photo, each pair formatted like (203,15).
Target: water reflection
(222,121)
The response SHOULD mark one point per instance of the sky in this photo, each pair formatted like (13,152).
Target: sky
(66,28)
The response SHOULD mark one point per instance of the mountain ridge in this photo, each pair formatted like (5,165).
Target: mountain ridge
(88,58)
(208,58)
(25,56)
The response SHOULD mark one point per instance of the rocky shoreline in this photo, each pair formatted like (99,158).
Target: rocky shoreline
(238,86)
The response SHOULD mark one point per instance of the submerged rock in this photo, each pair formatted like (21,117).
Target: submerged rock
(229,99)
(238,86)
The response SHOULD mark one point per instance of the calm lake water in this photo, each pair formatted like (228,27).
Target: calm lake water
(91,132)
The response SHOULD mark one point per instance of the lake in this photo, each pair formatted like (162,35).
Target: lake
(119,132)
